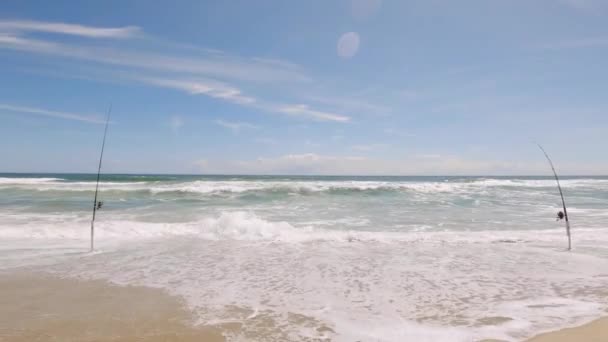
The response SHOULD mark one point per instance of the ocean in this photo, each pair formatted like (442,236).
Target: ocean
(366,258)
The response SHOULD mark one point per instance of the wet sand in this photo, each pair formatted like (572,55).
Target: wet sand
(43,308)
(38,307)
(596,331)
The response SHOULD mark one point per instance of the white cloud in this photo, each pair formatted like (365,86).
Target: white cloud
(12,42)
(210,88)
(51,113)
(69,29)
(315,164)
(276,63)
(231,94)
(304,110)
(350,104)
(236,127)
(210,64)
(202,70)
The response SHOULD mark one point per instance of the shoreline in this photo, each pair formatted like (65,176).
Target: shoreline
(594,331)
(39,306)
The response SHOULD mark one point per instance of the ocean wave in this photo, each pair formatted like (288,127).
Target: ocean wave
(248,226)
(364,286)
(541,183)
(293,187)
(231,225)
(358,266)
(27,181)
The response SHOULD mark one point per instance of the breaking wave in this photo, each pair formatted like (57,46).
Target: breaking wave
(291,187)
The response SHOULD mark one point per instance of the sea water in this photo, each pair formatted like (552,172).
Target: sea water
(360,258)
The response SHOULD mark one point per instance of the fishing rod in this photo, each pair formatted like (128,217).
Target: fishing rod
(97,205)
(565,214)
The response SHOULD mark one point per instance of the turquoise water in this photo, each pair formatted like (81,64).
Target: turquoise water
(343,203)
(375,258)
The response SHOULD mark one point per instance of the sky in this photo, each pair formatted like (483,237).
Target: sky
(353,87)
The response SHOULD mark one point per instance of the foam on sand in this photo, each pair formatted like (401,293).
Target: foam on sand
(383,259)
(380,289)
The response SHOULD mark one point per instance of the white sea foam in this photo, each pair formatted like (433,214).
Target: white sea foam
(247,226)
(240,186)
(458,260)
(26,181)
(371,286)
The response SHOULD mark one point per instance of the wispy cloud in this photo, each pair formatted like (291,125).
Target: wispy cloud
(317,164)
(236,127)
(210,65)
(350,104)
(209,88)
(69,29)
(51,113)
(304,110)
(13,42)
(232,94)
(209,73)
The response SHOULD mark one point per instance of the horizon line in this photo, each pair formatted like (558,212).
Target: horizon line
(295,175)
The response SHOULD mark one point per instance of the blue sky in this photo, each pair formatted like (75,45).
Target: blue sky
(305,87)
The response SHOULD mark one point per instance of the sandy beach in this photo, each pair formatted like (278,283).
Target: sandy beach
(304,171)
(596,331)
(44,308)
(38,307)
